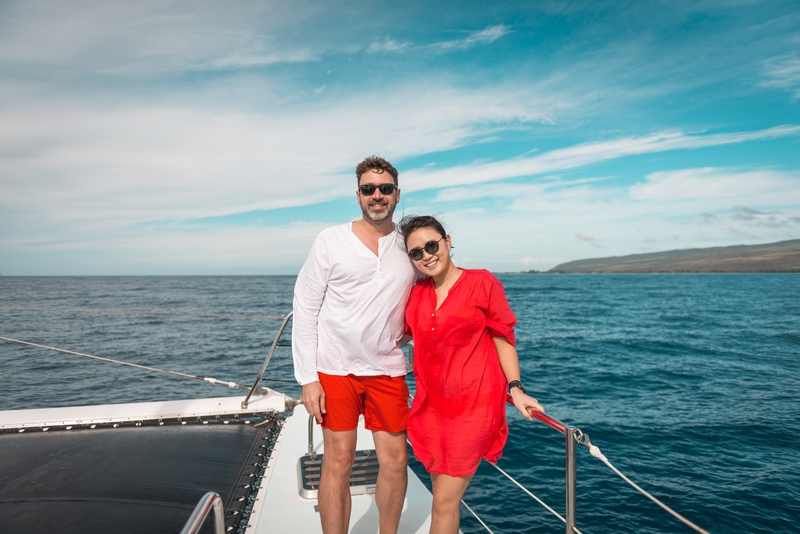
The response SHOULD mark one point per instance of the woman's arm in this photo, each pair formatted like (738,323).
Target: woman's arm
(509,361)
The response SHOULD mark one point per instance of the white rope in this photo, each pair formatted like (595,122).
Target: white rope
(523,488)
(209,380)
(119,312)
(595,451)
(476,517)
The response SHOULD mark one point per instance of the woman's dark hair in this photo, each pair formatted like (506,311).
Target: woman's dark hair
(414,222)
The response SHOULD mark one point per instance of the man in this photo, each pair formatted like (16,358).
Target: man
(349,305)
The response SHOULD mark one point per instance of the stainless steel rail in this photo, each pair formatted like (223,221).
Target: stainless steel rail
(570,440)
(267,359)
(209,502)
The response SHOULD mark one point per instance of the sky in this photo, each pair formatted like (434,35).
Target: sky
(192,138)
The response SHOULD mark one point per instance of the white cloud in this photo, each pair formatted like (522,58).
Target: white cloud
(486,36)
(83,162)
(388,45)
(783,72)
(715,183)
(584,154)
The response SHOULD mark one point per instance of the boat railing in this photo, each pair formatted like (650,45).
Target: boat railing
(210,502)
(572,437)
(275,344)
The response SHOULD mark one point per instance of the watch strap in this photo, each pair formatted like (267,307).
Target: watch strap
(516,384)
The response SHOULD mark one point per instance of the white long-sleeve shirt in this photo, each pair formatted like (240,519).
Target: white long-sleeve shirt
(349,307)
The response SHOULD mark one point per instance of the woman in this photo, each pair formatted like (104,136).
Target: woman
(464,364)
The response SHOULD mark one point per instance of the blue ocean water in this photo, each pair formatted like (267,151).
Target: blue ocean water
(689,384)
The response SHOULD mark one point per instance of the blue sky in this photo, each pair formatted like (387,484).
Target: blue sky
(220,138)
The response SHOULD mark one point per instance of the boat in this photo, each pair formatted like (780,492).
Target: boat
(238,464)
(241,464)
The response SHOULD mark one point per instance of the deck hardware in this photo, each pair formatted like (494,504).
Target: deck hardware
(267,359)
(211,502)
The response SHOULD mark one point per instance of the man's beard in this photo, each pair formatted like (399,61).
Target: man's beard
(378,217)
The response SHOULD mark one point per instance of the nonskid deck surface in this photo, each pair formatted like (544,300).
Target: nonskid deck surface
(281,508)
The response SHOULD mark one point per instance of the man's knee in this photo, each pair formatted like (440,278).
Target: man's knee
(340,452)
(393,454)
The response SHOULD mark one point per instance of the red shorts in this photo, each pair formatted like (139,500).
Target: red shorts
(382,399)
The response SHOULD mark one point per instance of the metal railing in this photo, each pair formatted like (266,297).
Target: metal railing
(571,436)
(211,501)
(267,359)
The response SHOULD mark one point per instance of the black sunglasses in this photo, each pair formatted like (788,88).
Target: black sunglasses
(431,247)
(369,189)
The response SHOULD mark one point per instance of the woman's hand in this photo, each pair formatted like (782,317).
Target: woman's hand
(525,403)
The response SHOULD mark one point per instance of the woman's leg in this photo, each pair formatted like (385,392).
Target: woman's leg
(447,494)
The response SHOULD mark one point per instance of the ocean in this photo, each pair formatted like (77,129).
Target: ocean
(689,384)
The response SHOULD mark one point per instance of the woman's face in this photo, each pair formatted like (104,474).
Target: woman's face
(430,264)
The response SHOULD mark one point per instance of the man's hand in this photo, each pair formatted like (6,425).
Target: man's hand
(314,400)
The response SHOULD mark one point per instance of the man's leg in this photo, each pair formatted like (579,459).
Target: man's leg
(334,482)
(390,490)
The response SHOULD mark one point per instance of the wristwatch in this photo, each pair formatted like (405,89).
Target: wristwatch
(516,384)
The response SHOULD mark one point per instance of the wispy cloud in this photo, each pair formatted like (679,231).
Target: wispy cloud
(585,154)
(783,72)
(388,45)
(486,36)
(712,182)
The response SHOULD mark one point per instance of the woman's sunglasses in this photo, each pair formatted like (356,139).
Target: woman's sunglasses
(431,247)
(369,189)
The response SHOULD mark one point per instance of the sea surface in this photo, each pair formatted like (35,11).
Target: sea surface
(689,384)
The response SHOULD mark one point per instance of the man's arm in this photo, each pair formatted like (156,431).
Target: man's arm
(309,293)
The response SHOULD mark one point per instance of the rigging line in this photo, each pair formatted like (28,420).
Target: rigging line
(176,373)
(120,312)
(523,488)
(595,451)
(476,517)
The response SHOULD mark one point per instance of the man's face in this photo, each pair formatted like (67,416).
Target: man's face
(377,206)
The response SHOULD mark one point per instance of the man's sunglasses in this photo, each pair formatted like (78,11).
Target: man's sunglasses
(431,247)
(369,189)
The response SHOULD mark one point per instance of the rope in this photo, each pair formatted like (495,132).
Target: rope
(595,451)
(118,312)
(523,488)
(476,517)
(145,367)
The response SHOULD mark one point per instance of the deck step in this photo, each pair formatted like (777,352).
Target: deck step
(362,478)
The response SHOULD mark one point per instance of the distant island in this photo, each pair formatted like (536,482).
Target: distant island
(781,257)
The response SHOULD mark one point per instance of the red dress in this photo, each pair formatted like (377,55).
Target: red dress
(458,415)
